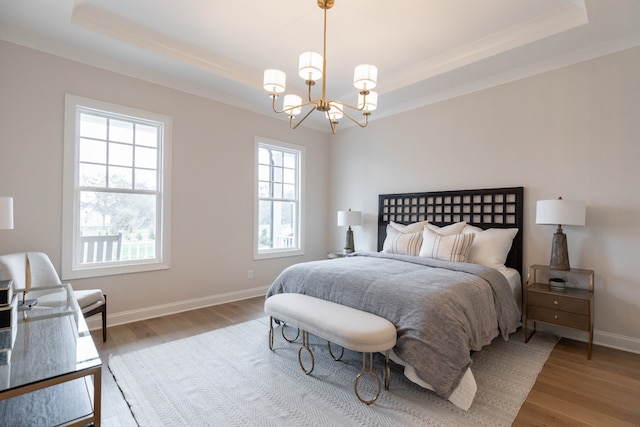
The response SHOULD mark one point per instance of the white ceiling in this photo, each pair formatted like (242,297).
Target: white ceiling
(425,50)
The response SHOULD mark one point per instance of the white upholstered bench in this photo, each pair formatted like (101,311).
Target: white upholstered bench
(345,326)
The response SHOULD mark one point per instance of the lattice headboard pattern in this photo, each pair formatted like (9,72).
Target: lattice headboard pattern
(485,208)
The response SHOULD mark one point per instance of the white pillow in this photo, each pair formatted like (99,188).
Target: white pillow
(415,227)
(490,247)
(454,247)
(471,229)
(401,243)
(448,230)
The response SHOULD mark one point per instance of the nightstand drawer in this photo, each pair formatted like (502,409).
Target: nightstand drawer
(571,308)
(559,302)
(557,317)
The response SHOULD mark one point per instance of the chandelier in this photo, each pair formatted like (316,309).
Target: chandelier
(313,67)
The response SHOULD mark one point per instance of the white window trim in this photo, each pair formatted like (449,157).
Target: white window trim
(70,214)
(279,253)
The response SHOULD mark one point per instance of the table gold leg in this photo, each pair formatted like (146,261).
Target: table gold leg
(97,396)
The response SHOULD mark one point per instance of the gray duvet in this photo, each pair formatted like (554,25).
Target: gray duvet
(442,310)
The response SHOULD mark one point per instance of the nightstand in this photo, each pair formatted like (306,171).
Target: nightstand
(571,307)
(337,254)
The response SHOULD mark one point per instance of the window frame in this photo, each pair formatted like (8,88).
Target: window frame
(71,269)
(281,252)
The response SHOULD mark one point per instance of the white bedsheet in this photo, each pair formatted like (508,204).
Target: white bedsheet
(515,282)
(462,396)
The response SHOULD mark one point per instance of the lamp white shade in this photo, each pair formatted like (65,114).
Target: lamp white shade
(365,76)
(335,113)
(310,66)
(275,81)
(291,104)
(561,212)
(349,218)
(372,101)
(6,213)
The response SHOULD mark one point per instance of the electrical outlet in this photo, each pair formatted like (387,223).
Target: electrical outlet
(250,274)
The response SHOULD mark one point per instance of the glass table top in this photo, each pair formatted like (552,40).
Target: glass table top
(51,340)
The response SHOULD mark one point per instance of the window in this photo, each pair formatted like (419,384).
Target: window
(116,198)
(278,211)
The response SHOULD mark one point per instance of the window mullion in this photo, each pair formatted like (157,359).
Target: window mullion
(109,197)
(278,212)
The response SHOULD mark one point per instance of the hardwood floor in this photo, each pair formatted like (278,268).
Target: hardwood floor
(574,391)
(570,390)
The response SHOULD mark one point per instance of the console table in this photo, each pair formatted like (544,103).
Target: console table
(54,372)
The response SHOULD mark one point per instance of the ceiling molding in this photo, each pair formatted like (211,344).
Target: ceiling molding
(116,27)
(426,52)
(530,70)
(540,27)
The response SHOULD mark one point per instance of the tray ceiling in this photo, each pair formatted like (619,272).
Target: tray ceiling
(425,50)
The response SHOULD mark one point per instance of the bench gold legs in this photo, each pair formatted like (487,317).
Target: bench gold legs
(271,336)
(367,369)
(305,346)
(387,371)
(333,355)
(290,340)
(367,362)
(270,333)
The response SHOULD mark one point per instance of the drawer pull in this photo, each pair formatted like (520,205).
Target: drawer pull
(555,317)
(555,302)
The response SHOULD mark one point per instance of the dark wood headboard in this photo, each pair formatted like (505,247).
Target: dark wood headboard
(485,208)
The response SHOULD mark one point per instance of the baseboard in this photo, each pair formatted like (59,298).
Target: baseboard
(602,338)
(114,319)
(617,341)
(605,339)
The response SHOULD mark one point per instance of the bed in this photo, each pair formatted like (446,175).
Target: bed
(447,274)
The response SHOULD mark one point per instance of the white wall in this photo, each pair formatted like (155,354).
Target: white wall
(574,132)
(212,186)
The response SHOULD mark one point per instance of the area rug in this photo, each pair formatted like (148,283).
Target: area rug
(229,377)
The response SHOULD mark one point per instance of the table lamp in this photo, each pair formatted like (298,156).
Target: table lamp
(349,218)
(6,223)
(560,212)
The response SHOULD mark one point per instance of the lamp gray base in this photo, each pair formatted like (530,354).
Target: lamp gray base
(559,252)
(348,244)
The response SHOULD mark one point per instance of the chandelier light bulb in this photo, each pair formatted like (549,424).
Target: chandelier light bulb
(365,76)
(310,66)
(292,105)
(274,80)
(334,114)
(372,101)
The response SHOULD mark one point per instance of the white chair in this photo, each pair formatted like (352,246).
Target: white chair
(34,270)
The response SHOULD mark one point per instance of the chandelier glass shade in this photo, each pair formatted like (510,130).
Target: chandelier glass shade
(313,67)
